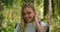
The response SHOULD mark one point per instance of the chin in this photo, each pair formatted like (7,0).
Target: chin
(28,21)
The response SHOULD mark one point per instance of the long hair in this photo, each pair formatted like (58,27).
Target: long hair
(23,22)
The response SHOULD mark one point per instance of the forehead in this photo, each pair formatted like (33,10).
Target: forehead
(27,9)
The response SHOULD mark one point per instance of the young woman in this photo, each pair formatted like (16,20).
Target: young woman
(29,20)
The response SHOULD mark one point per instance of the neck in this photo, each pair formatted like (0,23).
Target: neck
(30,22)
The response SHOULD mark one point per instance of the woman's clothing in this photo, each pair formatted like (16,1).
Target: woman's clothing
(30,27)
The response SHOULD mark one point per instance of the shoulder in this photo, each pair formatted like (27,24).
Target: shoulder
(42,23)
(46,26)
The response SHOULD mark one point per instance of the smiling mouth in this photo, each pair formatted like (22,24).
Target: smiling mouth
(27,19)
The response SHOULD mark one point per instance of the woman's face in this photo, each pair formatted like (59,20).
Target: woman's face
(28,14)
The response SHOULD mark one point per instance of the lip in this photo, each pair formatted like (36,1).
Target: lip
(27,18)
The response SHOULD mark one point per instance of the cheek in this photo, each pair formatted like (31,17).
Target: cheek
(31,16)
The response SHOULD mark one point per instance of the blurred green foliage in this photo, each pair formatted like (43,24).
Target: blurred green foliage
(12,14)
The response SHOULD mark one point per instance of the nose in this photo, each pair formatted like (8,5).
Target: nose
(26,15)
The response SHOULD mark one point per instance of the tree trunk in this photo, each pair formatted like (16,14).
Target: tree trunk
(48,9)
(46,3)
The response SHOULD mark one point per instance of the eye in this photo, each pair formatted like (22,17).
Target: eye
(29,12)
